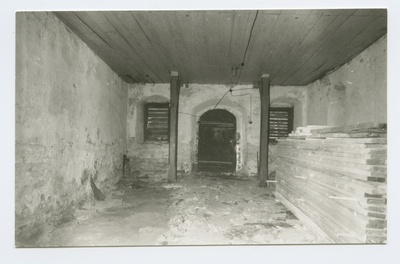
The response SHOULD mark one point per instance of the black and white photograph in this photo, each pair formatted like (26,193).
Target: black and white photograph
(200,127)
(223,128)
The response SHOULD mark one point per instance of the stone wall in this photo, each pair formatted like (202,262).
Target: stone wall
(146,158)
(152,158)
(70,124)
(354,93)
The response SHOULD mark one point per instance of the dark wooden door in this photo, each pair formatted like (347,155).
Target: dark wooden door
(217,141)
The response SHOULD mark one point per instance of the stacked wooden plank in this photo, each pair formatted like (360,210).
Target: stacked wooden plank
(334,179)
(302,132)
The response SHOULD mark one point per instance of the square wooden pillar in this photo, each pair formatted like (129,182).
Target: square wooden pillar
(173,127)
(264,127)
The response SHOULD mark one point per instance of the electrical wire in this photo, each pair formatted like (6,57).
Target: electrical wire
(222,98)
(251,33)
(242,63)
(240,73)
(242,95)
(188,114)
(251,102)
(242,89)
(247,48)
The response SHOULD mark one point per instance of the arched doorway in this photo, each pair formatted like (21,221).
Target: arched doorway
(217,141)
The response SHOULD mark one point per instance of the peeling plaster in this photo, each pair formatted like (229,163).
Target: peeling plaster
(194,101)
(355,93)
(70,124)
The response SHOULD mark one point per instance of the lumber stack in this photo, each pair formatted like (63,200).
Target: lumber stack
(334,179)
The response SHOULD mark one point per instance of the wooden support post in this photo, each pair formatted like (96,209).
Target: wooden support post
(264,127)
(173,127)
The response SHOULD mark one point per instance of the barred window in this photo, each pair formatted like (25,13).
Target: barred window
(280,122)
(156,126)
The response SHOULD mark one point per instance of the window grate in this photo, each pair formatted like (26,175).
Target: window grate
(280,122)
(156,122)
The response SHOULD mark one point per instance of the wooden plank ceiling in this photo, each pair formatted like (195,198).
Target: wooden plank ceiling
(295,47)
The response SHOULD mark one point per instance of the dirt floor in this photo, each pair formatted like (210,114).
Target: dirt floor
(201,210)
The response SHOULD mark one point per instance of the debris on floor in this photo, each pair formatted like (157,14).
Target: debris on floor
(172,186)
(222,212)
(98,195)
(202,210)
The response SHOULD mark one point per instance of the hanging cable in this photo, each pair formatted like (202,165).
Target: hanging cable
(230,90)
(242,63)
(184,113)
(241,89)
(248,42)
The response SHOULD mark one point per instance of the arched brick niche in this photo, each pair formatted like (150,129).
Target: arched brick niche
(140,108)
(241,129)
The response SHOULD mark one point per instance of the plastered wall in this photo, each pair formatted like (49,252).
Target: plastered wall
(354,93)
(70,124)
(75,118)
(152,158)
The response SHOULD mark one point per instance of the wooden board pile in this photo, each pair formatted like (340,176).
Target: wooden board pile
(334,179)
